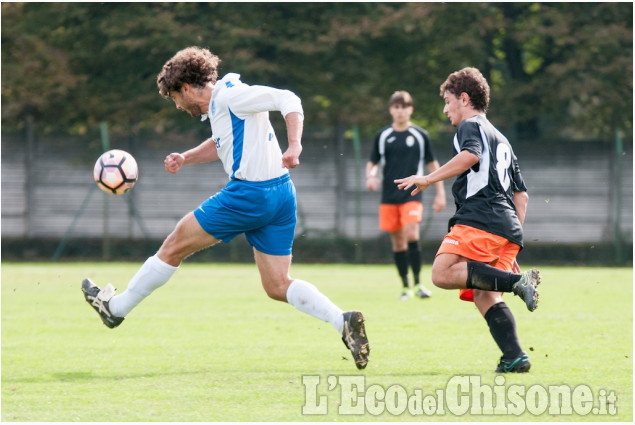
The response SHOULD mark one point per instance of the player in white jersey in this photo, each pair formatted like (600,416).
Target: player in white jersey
(259,199)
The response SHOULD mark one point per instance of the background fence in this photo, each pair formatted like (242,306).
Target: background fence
(581,193)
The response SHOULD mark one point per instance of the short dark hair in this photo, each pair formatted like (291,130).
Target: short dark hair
(471,81)
(402,98)
(193,65)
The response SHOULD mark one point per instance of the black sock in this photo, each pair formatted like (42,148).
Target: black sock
(488,278)
(414,252)
(401,261)
(502,326)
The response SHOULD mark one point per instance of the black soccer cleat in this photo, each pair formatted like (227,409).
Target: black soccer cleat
(354,337)
(518,365)
(98,299)
(526,288)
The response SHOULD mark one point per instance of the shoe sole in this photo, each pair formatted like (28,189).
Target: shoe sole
(521,369)
(355,327)
(534,281)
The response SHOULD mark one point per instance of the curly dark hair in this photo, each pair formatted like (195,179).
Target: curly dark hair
(472,82)
(193,65)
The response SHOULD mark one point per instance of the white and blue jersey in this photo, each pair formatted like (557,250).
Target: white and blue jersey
(245,140)
(259,199)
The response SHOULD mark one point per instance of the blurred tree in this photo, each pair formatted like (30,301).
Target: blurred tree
(37,77)
(554,68)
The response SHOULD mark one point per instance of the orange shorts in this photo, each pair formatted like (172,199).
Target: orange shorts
(392,217)
(479,245)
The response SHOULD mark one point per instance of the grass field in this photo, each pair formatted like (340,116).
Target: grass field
(210,346)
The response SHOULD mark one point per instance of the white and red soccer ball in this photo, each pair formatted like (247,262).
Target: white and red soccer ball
(116,172)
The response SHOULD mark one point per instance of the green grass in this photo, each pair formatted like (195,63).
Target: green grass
(210,346)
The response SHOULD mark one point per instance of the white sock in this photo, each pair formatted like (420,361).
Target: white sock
(308,299)
(152,274)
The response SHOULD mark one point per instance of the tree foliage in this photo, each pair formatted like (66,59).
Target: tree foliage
(554,68)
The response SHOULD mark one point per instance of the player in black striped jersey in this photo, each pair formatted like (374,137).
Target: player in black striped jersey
(478,256)
(403,148)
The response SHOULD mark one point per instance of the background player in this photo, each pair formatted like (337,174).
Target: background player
(479,252)
(403,148)
(259,199)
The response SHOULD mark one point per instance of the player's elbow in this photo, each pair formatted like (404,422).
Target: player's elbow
(291,106)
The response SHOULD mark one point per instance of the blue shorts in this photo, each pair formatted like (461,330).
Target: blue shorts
(264,211)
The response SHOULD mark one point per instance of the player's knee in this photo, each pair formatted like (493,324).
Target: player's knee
(399,242)
(439,277)
(484,300)
(170,251)
(276,288)
(277,296)
(169,257)
(276,292)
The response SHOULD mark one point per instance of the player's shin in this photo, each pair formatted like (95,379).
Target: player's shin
(502,326)
(152,274)
(308,299)
(401,261)
(487,278)
(414,254)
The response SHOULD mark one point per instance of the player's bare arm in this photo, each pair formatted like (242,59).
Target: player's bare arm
(372,181)
(439,200)
(205,152)
(294,122)
(521,199)
(457,165)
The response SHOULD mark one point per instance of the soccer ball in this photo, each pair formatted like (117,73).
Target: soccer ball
(116,172)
